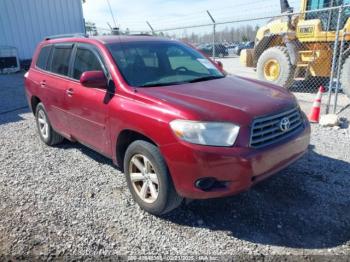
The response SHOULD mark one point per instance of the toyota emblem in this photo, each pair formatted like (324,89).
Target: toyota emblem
(285,124)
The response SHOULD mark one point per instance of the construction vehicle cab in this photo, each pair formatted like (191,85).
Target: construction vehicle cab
(299,46)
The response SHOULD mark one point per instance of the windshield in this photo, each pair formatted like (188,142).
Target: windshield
(147,64)
(319,4)
(328,17)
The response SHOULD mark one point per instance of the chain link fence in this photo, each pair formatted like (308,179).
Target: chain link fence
(300,51)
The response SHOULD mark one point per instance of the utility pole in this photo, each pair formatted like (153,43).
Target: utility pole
(334,60)
(214,28)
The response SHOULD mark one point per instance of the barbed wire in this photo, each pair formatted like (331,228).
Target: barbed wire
(196,19)
(221,13)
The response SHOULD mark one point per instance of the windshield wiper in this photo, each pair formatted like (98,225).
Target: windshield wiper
(162,84)
(205,78)
(199,79)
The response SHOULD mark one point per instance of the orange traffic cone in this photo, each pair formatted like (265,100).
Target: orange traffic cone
(316,107)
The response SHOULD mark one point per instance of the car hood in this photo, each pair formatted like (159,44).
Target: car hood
(227,99)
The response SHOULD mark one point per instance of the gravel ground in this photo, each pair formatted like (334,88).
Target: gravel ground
(68,200)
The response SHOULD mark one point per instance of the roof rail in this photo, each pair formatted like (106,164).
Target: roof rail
(66,36)
(141,34)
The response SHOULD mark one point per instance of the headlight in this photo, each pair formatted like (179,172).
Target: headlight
(206,133)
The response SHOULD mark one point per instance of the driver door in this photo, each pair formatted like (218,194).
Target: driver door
(87,111)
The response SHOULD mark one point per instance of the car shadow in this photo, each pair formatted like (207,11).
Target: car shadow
(304,206)
(13,115)
(68,145)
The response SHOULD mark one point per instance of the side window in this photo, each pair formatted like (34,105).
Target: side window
(85,60)
(60,60)
(43,57)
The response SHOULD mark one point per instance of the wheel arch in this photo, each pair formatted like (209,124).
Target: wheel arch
(124,139)
(34,101)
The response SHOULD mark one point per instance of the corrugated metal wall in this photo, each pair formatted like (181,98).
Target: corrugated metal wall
(24,23)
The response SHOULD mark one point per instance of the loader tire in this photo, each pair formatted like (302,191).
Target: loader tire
(345,77)
(274,66)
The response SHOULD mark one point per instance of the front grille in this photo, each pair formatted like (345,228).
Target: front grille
(267,130)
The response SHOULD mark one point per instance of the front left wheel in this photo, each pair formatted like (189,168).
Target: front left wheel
(149,180)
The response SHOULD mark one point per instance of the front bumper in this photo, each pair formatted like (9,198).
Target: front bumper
(238,168)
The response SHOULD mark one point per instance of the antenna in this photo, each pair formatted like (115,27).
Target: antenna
(150,26)
(110,10)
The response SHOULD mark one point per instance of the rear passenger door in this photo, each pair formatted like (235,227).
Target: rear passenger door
(87,112)
(54,82)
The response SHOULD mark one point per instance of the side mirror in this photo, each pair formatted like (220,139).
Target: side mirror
(220,65)
(93,79)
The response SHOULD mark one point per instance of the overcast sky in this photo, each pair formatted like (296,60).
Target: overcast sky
(133,14)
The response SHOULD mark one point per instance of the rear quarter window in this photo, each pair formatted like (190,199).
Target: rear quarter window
(43,57)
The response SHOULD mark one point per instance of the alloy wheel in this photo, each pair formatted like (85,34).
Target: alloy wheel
(43,124)
(144,178)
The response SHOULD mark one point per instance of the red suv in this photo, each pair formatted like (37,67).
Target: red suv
(165,114)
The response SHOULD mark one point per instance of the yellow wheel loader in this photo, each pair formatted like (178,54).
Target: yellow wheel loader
(300,46)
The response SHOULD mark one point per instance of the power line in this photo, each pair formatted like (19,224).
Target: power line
(200,17)
(225,8)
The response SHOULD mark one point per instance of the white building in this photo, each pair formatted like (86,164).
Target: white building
(24,23)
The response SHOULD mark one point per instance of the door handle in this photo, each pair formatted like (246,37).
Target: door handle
(43,83)
(69,92)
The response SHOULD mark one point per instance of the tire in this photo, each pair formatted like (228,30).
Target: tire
(167,198)
(345,77)
(285,72)
(49,136)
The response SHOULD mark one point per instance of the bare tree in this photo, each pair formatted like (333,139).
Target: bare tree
(90,28)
